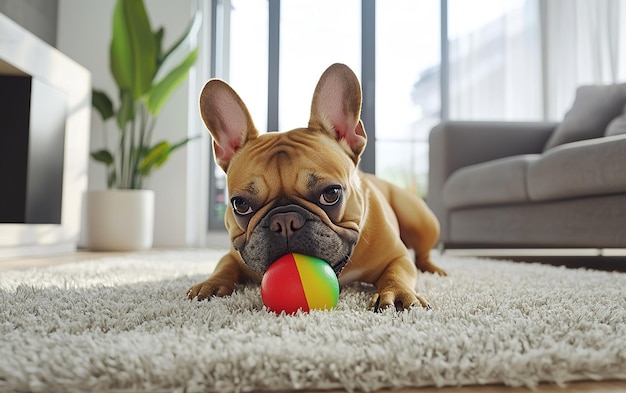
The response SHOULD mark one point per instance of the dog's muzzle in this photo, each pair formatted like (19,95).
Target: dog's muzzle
(294,229)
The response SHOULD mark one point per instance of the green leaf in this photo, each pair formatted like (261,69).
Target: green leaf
(157,154)
(192,28)
(161,159)
(103,156)
(160,92)
(126,112)
(158,41)
(102,103)
(133,48)
(183,142)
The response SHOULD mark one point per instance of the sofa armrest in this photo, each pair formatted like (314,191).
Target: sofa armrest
(456,144)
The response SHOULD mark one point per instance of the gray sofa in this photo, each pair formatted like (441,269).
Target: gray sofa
(534,185)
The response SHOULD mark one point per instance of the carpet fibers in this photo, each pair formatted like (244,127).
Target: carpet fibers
(123,324)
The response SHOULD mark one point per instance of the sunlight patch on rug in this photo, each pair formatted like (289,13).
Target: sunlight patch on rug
(124,323)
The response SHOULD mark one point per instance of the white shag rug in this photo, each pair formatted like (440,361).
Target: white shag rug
(124,324)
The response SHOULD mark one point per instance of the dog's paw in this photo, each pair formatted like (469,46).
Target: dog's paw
(437,270)
(401,300)
(424,264)
(208,289)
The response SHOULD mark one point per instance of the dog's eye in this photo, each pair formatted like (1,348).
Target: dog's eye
(241,206)
(330,196)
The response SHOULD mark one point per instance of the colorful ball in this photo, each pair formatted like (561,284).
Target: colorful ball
(299,282)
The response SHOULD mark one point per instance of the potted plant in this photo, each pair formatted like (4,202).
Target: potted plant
(122,217)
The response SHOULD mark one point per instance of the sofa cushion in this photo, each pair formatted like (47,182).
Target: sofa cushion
(580,169)
(617,126)
(494,182)
(594,107)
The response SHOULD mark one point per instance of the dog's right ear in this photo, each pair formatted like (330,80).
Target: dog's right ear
(228,120)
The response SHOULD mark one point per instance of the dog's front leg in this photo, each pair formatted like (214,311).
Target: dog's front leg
(396,287)
(228,272)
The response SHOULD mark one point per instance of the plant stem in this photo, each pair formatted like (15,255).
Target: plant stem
(142,144)
(109,168)
(150,127)
(131,160)
(122,155)
(127,154)
(147,128)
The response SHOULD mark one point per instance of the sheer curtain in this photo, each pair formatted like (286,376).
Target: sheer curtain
(584,43)
(495,60)
(524,59)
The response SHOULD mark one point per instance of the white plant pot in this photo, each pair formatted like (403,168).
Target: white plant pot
(119,220)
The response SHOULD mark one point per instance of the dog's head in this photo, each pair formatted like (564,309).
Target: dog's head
(295,191)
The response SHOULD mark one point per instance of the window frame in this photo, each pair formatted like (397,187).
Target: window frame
(220,23)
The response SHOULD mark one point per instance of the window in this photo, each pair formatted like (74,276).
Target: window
(313,35)
(240,57)
(407,89)
(495,60)
(273,52)
(248,56)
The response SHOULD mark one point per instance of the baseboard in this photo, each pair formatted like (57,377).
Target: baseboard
(37,250)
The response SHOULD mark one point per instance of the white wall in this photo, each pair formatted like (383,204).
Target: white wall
(84,33)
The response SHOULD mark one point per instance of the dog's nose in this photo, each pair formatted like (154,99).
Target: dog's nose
(286,223)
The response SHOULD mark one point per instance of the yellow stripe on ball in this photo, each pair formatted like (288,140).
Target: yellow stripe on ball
(319,282)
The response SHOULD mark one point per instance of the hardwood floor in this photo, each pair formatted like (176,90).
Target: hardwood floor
(578,387)
(28,262)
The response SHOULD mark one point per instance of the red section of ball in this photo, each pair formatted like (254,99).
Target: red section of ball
(281,287)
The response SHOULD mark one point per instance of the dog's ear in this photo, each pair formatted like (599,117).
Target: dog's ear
(336,108)
(228,120)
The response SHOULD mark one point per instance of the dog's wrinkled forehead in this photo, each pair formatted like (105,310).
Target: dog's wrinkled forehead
(289,161)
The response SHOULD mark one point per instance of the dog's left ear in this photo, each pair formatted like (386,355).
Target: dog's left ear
(336,108)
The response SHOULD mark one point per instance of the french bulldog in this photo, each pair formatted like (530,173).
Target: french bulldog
(301,191)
